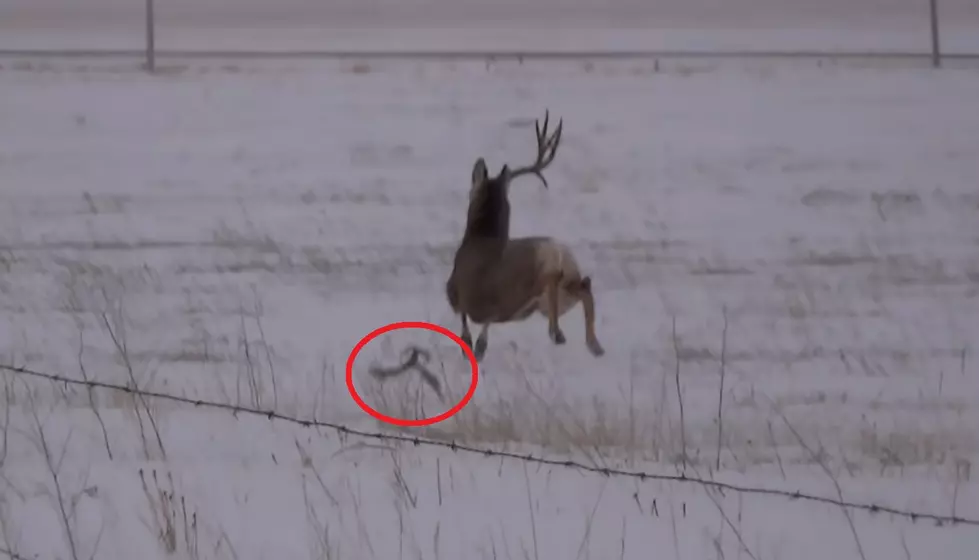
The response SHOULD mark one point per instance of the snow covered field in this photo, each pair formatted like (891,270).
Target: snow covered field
(227,231)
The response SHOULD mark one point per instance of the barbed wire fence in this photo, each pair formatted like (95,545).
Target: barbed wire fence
(272,415)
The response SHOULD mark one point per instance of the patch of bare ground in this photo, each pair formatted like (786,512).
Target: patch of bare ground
(896,204)
(708,269)
(827,197)
(831,259)
(856,358)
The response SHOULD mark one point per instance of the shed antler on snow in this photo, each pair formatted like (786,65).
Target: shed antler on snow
(414,358)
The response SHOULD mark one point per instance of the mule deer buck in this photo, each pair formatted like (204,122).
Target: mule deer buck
(496,279)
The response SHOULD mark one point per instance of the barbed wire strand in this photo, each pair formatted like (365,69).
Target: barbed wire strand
(454,446)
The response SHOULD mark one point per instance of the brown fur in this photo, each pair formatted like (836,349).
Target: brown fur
(488,214)
(487,219)
(501,281)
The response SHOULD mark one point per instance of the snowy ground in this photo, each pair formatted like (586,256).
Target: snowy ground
(238,227)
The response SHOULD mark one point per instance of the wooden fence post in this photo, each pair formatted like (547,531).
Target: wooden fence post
(936,54)
(151,38)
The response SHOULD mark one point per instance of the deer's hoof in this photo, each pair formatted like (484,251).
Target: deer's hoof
(558,337)
(595,348)
(480,349)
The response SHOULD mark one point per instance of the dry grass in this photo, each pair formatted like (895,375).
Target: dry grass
(639,426)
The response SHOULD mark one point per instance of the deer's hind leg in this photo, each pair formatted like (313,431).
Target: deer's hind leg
(553,292)
(584,293)
(573,291)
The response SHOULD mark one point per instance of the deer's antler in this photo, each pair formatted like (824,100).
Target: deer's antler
(546,149)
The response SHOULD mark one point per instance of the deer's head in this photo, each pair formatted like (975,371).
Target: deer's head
(489,205)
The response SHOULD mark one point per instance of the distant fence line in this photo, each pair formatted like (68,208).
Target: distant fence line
(151,52)
(485,452)
(150,57)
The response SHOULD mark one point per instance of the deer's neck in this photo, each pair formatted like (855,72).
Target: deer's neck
(489,217)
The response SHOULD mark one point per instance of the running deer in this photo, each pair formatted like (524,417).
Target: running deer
(496,279)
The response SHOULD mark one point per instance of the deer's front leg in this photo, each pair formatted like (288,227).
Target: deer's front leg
(553,289)
(465,335)
(482,341)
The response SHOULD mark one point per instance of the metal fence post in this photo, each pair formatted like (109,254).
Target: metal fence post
(151,39)
(936,54)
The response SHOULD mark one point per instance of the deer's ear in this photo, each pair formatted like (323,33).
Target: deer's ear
(505,172)
(479,176)
(480,173)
